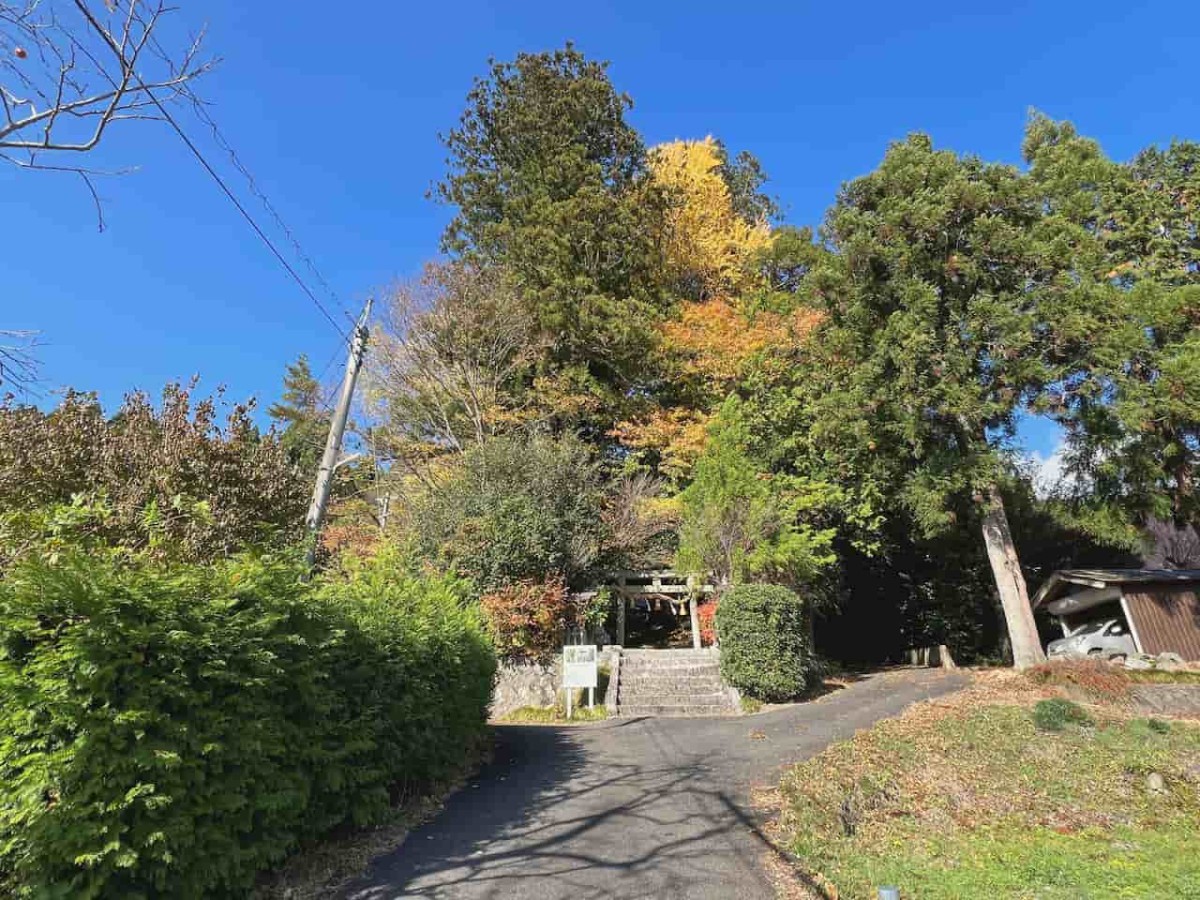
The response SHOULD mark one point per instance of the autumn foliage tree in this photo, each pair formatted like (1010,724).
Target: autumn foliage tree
(704,354)
(716,238)
(707,242)
(453,361)
(173,479)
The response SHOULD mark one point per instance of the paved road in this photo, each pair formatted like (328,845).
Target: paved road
(655,808)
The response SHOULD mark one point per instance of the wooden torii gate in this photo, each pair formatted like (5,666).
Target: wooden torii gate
(681,591)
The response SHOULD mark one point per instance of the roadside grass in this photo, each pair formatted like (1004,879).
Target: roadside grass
(1164,676)
(750,705)
(554,715)
(1103,681)
(557,714)
(968,798)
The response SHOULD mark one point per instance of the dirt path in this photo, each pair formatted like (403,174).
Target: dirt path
(628,808)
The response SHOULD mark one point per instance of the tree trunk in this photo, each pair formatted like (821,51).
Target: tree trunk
(1010,582)
(945,660)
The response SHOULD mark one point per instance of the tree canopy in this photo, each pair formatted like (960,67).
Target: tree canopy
(1133,409)
(853,394)
(549,181)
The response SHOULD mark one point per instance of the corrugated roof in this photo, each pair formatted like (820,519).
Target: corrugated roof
(1098,578)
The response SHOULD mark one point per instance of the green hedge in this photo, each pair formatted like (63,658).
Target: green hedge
(170,733)
(765,649)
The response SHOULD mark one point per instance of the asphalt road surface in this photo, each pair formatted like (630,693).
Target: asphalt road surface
(655,808)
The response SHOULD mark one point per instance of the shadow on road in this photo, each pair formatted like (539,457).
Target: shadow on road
(547,819)
(627,808)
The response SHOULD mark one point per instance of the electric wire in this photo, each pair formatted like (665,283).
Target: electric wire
(262,235)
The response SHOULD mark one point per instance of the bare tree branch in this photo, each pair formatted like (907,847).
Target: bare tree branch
(86,174)
(71,68)
(450,361)
(18,364)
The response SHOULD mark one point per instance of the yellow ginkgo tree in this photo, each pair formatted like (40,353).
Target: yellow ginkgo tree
(712,248)
(706,242)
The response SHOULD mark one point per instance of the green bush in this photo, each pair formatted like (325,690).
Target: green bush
(765,648)
(1057,713)
(173,731)
(516,509)
(425,677)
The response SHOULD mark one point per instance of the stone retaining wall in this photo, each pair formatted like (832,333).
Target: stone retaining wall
(520,684)
(1168,699)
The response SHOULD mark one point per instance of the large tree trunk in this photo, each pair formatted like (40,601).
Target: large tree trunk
(1010,582)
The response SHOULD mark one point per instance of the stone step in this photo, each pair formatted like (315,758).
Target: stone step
(672,683)
(672,698)
(670,687)
(688,683)
(696,668)
(670,666)
(658,710)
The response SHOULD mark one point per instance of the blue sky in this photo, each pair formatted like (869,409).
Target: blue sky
(337,115)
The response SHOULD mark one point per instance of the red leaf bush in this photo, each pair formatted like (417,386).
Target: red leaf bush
(528,619)
(706,615)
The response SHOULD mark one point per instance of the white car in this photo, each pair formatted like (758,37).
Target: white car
(1109,639)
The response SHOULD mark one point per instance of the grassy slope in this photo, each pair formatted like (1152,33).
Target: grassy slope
(554,715)
(971,800)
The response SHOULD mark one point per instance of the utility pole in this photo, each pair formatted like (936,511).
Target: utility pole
(337,428)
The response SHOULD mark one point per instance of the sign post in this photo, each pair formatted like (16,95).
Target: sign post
(580,670)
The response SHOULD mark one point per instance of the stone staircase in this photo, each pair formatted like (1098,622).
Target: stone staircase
(671,683)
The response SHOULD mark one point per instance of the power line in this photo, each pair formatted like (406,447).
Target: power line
(242,209)
(322,400)
(158,50)
(222,141)
(198,107)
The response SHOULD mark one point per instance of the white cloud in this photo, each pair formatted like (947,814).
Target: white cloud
(1049,474)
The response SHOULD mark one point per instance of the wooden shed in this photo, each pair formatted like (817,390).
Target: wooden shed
(1159,605)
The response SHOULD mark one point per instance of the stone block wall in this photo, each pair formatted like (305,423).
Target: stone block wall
(521,684)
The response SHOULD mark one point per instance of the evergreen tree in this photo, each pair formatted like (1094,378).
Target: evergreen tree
(941,298)
(305,424)
(740,521)
(1133,411)
(550,182)
(745,177)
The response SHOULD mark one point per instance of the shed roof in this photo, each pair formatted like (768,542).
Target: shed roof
(1061,580)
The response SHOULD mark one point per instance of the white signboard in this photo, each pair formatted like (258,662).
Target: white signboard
(579,666)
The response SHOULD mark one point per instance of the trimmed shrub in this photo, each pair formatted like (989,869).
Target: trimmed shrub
(1057,713)
(173,731)
(765,648)
(424,677)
